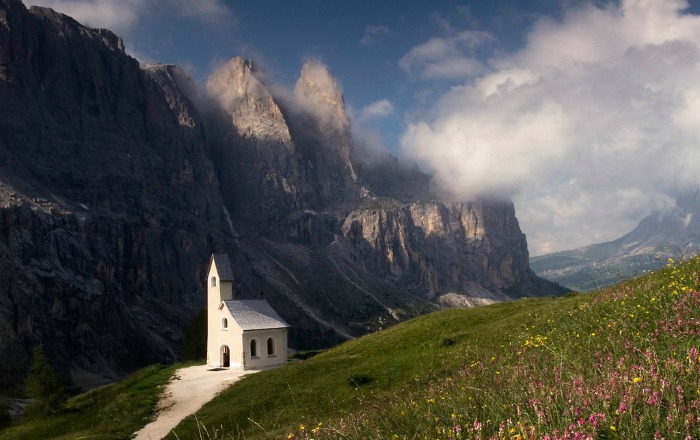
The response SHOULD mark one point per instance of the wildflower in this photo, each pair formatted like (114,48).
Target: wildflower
(612,428)
(302,427)
(637,379)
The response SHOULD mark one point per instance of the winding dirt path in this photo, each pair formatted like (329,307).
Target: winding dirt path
(188,391)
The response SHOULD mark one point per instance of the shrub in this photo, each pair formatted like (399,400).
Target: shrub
(358,380)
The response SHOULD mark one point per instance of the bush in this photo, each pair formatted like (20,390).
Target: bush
(358,380)
(44,387)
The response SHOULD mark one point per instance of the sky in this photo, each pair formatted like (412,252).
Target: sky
(585,113)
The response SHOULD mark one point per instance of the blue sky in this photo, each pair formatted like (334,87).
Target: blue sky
(585,113)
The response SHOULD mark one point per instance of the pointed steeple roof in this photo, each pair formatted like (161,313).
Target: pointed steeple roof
(223,266)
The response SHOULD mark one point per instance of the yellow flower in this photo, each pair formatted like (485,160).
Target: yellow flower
(612,428)
(637,379)
(302,427)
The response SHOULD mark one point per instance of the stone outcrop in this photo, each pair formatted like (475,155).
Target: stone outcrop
(115,190)
(433,249)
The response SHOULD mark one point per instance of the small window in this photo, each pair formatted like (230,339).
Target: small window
(224,324)
(213,281)
(270,347)
(253,348)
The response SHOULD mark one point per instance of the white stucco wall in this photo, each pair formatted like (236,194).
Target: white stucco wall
(263,359)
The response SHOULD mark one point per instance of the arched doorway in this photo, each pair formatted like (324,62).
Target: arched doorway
(225,356)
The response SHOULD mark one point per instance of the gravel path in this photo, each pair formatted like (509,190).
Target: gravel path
(189,389)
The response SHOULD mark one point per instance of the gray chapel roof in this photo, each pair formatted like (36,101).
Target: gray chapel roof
(254,314)
(223,266)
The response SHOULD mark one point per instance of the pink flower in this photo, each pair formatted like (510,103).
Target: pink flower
(653,399)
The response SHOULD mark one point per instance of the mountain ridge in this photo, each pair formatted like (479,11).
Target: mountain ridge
(673,233)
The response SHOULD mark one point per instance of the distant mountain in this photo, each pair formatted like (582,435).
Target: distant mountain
(118,181)
(659,236)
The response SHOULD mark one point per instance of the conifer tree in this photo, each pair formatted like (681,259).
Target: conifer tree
(5,418)
(44,386)
(195,345)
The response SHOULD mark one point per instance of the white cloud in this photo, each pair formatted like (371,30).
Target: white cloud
(372,32)
(121,15)
(115,15)
(377,109)
(589,127)
(447,57)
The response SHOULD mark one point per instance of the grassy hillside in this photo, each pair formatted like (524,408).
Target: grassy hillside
(623,362)
(617,363)
(110,412)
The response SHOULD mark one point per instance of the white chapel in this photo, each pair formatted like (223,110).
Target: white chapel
(245,334)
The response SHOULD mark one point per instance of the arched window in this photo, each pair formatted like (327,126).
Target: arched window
(270,347)
(224,324)
(253,348)
(213,281)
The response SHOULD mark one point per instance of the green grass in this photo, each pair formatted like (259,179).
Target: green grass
(410,355)
(621,362)
(110,412)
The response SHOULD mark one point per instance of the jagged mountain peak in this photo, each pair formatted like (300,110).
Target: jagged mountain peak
(234,74)
(253,109)
(318,91)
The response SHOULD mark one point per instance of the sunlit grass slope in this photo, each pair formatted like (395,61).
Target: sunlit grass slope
(617,363)
(112,412)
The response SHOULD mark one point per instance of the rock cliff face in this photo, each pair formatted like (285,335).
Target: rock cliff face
(114,192)
(109,203)
(470,250)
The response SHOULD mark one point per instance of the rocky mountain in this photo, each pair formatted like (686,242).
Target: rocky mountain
(674,233)
(118,181)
